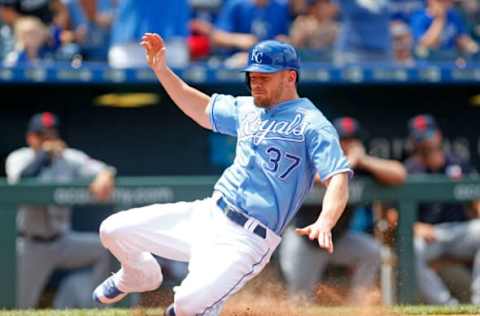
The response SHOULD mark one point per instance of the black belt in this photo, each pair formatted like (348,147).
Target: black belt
(240,219)
(40,238)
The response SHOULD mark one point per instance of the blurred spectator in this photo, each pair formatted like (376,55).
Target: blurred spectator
(7,38)
(317,30)
(297,7)
(135,17)
(402,10)
(440,32)
(470,10)
(31,46)
(49,11)
(443,229)
(201,27)
(242,23)
(53,15)
(402,44)
(91,22)
(301,260)
(365,33)
(45,240)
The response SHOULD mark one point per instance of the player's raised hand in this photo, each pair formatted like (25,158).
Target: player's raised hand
(155,50)
(317,231)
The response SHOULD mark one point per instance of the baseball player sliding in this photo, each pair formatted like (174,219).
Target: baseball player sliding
(282,142)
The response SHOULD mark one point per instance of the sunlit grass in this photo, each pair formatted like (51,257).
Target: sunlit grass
(320,311)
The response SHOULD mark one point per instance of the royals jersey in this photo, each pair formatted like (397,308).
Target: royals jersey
(279,150)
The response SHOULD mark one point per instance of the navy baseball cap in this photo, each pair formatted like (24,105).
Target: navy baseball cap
(348,127)
(422,127)
(42,122)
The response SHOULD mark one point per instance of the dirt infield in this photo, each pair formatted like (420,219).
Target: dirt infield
(264,297)
(260,309)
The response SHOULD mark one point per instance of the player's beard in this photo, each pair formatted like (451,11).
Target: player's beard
(265,100)
(262,101)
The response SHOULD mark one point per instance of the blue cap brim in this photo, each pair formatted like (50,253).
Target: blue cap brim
(262,68)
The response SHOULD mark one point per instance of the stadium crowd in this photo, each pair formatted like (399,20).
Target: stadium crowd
(405,32)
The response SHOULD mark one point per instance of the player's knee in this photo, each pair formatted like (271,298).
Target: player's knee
(153,273)
(110,231)
(191,303)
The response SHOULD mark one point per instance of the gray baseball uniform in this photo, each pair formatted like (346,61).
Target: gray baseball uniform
(45,239)
(456,236)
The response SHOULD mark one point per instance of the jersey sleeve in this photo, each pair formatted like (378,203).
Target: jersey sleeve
(419,24)
(16,162)
(223,113)
(86,166)
(326,154)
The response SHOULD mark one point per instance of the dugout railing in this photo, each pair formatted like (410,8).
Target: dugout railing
(132,191)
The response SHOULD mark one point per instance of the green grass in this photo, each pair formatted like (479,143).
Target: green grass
(85,312)
(320,311)
(407,310)
(438,310)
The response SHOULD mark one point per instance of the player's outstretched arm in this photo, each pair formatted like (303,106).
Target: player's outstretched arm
(190,100)
(334,202)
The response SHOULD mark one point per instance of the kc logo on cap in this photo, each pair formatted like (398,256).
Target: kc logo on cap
(257,56)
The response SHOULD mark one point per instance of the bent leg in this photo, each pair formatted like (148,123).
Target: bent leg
(35,263)
(79,250)
(465,244)
(132,236)
(431,286)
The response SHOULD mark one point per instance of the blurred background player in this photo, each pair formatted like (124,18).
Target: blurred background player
(443,229)
(303,263)
(45,240)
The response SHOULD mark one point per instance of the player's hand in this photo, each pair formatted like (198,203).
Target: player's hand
(355,152)
(102,186)
(155,50)
(425,231)
(54,147)
(319,232)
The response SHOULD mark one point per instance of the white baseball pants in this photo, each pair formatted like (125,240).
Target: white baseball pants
(223,256)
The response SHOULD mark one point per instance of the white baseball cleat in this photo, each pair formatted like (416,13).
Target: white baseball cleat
(108,292)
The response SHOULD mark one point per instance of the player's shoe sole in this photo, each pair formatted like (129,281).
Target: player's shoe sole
(107,292)
(169,311)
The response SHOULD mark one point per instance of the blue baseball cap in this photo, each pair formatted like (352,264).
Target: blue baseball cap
(272,56)
(42,122)
(422,127)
